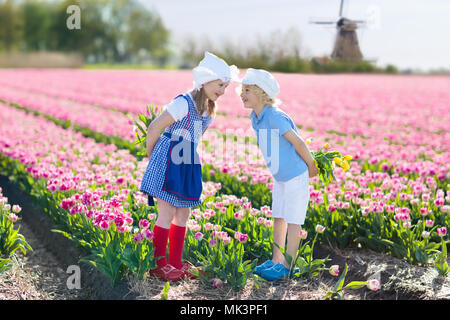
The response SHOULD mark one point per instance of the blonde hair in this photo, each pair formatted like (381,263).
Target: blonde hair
(262,95)
(203,103)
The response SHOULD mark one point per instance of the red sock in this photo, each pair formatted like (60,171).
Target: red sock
(176,242)
(160,237)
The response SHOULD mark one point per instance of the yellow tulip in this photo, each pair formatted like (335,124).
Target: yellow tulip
(345,165)
(348,158)
(326,146)
(308,141)
(338,161)
(331,177)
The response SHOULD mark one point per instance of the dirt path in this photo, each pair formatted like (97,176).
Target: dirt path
(36,276)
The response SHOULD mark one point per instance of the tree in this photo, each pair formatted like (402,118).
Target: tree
(37,23)
(146,33)
(11,26)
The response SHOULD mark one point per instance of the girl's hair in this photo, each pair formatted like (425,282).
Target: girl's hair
(265,99)
(203,103)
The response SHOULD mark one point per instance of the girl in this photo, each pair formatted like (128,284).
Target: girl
(173,175)
(289,161)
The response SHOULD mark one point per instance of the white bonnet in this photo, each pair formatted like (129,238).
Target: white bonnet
(262,79)
(213,68)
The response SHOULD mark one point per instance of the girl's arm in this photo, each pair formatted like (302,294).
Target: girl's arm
(303,151)
(155,128)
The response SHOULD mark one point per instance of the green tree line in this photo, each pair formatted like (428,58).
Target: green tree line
(111,30)
(124,31)
(276,51)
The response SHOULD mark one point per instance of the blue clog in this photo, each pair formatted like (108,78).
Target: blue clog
(277,271)
(266,265)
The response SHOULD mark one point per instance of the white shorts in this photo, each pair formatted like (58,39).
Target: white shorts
(290,199)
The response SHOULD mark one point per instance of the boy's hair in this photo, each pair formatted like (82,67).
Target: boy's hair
(203,103)
(263,95)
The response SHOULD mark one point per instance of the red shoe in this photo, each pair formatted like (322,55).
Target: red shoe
(186,268)
(167,273)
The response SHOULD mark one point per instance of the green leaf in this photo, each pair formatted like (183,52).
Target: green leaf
(165,292)
(355,285)
(340,283)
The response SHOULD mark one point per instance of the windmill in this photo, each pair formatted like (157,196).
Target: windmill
(346,45)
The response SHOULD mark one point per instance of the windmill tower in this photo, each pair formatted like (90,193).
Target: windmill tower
(346,45)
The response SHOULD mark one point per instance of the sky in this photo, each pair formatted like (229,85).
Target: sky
(411,34)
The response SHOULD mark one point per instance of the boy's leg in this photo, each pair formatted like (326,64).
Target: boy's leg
(279,237)
(293,240)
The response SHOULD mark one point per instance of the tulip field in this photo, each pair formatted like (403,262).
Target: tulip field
(67,138)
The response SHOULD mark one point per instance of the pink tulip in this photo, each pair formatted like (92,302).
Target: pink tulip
(216,283)
(373,284)
(226,240)
(441,231)
(320,228)
(334,270)
(423,212)
(144,224)
(208,226)
(241,237)
(429,223)
(198,236)
(303,234)
(12,217)
(148,234)
(104,225)
(212,243)
(138,237)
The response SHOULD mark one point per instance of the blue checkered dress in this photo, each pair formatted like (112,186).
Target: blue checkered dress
(155,174)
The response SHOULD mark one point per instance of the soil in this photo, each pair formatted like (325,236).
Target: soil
(43,273)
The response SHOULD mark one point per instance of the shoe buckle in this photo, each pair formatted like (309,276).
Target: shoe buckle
(167,268)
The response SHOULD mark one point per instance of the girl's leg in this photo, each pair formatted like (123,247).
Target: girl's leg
(181,216)
(177,234)
(293,240)
(166,211)
(279,237)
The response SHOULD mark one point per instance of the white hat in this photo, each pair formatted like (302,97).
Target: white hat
(213,68)
(262,79)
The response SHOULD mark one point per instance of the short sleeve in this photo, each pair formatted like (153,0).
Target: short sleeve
(211,120)
(280,121)
(178,108)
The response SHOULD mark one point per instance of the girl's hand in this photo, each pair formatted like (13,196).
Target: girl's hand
(155,128)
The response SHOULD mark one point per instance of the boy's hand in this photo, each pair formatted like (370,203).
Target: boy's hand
(313,170)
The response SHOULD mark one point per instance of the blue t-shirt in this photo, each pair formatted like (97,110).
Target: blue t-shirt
(281,158)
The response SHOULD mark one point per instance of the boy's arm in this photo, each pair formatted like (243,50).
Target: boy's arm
(303,151)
